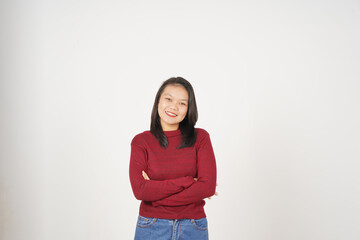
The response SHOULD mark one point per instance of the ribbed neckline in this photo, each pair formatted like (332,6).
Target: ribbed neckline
(172,133)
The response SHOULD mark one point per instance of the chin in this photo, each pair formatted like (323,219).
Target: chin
(172,123)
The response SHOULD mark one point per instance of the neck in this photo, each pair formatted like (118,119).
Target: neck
(170,128)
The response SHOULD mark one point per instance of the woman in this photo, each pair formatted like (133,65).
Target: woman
(172,168)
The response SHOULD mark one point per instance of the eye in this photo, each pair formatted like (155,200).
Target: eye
(168,99)
(183,104)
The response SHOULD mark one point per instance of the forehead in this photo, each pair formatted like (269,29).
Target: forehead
(176,91)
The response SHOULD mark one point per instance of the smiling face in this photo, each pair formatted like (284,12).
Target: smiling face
(173,106)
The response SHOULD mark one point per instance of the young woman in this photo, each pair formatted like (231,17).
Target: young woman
(173,168)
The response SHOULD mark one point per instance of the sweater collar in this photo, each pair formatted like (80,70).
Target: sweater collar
(172,133)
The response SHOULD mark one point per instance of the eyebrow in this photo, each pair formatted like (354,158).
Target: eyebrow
(172,96)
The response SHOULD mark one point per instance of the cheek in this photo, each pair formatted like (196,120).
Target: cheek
(184,112)
(160,105)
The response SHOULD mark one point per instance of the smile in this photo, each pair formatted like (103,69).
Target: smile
(170,114)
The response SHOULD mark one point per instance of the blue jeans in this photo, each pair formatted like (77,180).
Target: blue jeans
(171,229)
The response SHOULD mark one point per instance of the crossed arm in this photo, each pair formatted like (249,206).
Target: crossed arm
(204,186)
(146,177)
(152,190)
(179,191)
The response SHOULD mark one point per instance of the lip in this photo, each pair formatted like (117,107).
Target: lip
(169,114)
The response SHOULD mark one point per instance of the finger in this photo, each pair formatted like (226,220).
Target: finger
(209,198)
(216,193)
(217,184)
(146,177)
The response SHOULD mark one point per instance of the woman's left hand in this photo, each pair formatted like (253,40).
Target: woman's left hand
(216,193)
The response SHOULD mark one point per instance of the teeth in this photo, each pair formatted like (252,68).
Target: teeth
(171,114)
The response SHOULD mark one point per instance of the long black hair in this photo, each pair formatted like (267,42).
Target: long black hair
(186,125)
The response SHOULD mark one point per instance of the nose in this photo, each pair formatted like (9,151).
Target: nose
(174,106)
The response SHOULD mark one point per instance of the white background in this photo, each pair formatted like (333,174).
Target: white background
(277,86)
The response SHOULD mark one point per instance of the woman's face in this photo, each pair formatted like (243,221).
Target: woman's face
(172,107)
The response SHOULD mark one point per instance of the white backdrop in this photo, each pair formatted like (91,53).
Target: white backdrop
(277,85)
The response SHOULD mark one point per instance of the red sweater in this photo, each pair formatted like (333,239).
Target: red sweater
(172,192)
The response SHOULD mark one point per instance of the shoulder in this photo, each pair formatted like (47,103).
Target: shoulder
(141,138)
(202,135)
(201,132)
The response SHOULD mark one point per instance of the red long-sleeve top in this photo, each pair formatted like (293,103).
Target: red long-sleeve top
(172,192)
